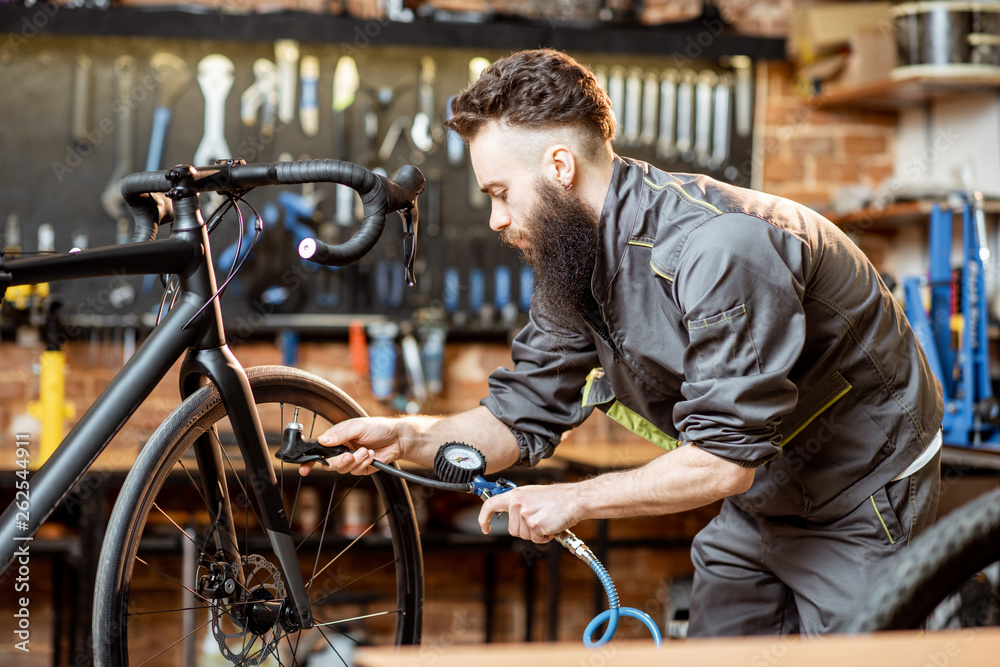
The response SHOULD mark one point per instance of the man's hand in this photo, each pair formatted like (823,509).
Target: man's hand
(370,437)
(534,513)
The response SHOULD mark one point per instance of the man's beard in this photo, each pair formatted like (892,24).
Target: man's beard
(562,235)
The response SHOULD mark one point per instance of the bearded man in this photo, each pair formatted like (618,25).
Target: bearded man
(743,333)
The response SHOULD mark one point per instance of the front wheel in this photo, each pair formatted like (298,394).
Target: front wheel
(946,579)
(173,589)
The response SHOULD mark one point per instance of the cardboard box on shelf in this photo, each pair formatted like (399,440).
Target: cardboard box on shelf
(822,28)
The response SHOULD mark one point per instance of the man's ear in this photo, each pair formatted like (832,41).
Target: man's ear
(560,164)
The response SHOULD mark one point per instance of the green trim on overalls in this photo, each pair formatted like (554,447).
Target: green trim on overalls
(597,392)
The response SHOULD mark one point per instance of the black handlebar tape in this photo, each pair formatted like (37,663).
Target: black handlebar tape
(379,196)
(390,195)
(148,211)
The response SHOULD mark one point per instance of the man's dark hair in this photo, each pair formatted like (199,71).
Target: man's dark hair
(536,89)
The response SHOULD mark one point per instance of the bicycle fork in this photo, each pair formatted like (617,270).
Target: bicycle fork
(223,369)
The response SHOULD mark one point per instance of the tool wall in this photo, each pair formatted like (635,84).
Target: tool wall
(79,112)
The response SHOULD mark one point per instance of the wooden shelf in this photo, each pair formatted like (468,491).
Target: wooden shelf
(200,22)
(911,87)
(896,215)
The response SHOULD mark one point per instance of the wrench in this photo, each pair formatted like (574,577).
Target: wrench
(424,133)
(616,91)
(703,116)
(685,109)
(633,106)
(286,55)
(720,138)
(650,94)
(111,199)
(601,74)
(665,147)
(172,77)
(744,94)
(215,78)
(261,93)
(259,101)
(309,105)
(80,120)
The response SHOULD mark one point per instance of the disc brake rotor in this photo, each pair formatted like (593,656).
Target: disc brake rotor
(242,646)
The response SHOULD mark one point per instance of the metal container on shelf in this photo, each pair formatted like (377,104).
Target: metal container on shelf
(947,38)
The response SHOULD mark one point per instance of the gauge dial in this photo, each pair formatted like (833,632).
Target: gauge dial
(458,462)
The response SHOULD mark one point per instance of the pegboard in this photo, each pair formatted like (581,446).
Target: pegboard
(49,178)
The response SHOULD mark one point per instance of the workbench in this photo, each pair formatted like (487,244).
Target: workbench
(959,648)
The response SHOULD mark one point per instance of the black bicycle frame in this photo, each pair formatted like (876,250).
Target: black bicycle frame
(191,327)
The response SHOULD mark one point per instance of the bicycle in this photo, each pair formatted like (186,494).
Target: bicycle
(206,483)
(941,582)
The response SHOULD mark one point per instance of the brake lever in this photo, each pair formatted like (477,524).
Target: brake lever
(409,243)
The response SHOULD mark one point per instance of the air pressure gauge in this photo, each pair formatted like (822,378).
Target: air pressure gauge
(458,463)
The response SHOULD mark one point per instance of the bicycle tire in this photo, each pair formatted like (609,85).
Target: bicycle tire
(130,564)
(936,565)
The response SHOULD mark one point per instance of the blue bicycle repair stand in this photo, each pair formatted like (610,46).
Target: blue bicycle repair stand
(971,412)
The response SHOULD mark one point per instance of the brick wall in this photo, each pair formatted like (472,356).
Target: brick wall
(809,152)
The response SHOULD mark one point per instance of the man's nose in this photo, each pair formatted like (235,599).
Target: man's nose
(498,220)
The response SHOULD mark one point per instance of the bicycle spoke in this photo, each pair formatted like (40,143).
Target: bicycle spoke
(243,488)
(194,484)
(342,552)
(175,643)
(169,578)
(321,601)
(332,647)
(358,618)
(322,537)
(176,525)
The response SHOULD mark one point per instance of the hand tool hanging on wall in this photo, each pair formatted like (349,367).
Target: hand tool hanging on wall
(601,74)
(454,145)
(172,78)
(477,198)
(425,131)
(685,119)
(503,291)
(722,116)
(111,198)
(633,106)
(665,147)
(80,119)
(286,57)
(345,86)
(259,104)
(616,92)
(744,94)
(309,100)
(389,280)
(525,288)
(650,117)
(215,78)
(703,117)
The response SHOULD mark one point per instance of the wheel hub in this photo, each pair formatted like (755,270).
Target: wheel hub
(244,625)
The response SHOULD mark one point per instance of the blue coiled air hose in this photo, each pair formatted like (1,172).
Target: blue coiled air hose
(576,546)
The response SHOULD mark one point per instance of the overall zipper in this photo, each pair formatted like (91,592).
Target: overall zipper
(596,324)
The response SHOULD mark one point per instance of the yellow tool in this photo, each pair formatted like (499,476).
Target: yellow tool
(51,408)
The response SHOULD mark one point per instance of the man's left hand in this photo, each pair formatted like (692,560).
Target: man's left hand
(534,513)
